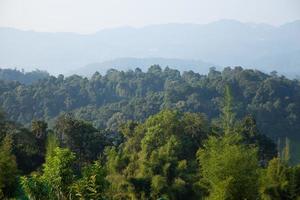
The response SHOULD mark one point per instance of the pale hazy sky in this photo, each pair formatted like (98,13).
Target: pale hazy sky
(87,16)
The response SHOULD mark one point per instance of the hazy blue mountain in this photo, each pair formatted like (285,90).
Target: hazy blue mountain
(224,43)
(144,63)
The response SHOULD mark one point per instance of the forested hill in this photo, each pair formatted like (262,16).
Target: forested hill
(22,76)
(170,150)
(110,100)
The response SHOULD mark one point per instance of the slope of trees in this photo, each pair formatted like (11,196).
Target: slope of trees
(171,155)
(109,100)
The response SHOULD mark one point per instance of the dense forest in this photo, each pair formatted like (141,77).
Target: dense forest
(151,135)
(22,76)
(171,155)
(111,99)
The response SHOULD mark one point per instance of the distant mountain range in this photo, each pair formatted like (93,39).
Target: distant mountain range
(144,63)
(224,43)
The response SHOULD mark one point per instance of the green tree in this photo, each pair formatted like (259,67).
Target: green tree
(8,169)
(58,172)
(228,168)
(92,185)
(39,129)
(51,144)
(227,113)
(248,129)
(274,181)
(279,180)
(35,188)
(80,137)
(157,158)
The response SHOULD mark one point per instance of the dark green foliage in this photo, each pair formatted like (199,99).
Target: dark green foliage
(25,145)
(80,137)
(21,76)
(8,169)
(112,99)
(35,188)
(251,136)
(39,129)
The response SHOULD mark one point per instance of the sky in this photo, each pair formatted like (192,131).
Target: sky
(87,16)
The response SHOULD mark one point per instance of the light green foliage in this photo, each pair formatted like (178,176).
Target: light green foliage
(56,178)
(280,181)
(157,157)
(51,145)
(228,115)
(119,185)
(158,186)
(58,172)
(92,185)
(229,169)
(274,180)
(36,186)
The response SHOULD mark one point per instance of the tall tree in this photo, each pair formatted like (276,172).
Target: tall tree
(227,112)
(229,169)
(248,129)
(157,158)
(274,181)
(8,169)
(80,137)
(39,129)
(58,172)
(92,185)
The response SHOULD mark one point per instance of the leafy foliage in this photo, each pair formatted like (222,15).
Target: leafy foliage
(149,145)
(229,169)
(8,168)
(92,185)
(110,100)
(22,76)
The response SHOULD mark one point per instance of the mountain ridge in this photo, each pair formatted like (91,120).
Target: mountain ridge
(224,43)
(130,63)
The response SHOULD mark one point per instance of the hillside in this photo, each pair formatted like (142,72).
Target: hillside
(161,129)
(110,99)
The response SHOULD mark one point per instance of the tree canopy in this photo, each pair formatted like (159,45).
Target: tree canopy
(154,135)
